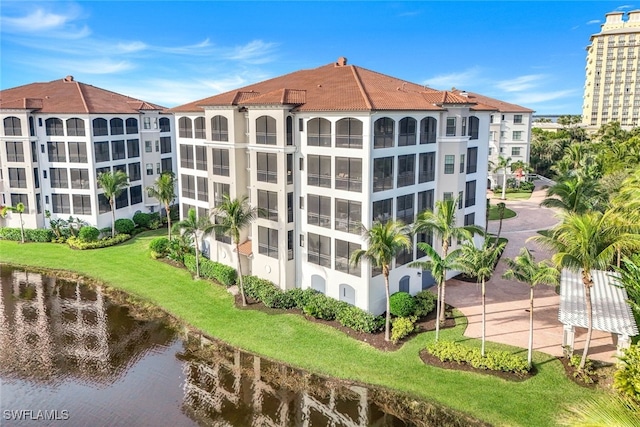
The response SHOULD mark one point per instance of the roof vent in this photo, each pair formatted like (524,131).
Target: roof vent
(342,61)
(464,93)
(68,79)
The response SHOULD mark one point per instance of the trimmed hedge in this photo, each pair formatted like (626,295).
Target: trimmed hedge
(159,247)
(449,351)
(124,226)
(402,304)
(34,235)
(88,234)
(425,303)
(322,307)
(359,320)
(212,270)
(76,243)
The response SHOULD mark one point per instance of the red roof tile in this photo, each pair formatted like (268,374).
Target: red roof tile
(492,103)
(245,248)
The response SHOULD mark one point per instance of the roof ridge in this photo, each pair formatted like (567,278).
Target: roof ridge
(84,101)
(367,101)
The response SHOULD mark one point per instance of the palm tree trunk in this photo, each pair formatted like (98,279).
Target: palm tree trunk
(504,183)
(166,208)
(483,318)
(438,314)
(443,316)
(387,322)
(21,228)
(529,356)
(240,280)
(195,237)
(113,218)
(587,343)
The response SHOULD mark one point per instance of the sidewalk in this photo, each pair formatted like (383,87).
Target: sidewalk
(507,302)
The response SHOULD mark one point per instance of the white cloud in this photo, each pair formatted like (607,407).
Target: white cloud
(40,22)
(528,98)
(593,21)
(624,7)
(130,47)
(254,52)
(520,83)
(85,66)
(460,79)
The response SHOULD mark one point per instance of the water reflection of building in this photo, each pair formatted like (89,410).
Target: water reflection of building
(50,328)
(230,383)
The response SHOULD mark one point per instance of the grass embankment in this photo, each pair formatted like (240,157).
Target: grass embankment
(494,213)
(292,339)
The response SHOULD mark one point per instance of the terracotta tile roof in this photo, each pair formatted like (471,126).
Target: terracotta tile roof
(69,96)
(333,87)
(245,248)
(493,104)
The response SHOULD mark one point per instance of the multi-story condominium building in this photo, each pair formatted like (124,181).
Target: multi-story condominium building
(612,84)
(509,132)
(323,152)
(58,136)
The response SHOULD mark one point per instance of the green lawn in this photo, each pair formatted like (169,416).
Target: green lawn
(321,349)
(494,213)
(513,196)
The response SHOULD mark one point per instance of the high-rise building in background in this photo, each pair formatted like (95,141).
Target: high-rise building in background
(612,84)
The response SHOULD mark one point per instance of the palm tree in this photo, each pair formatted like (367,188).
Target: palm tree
(164,189)
(384,243)
(574,194)
(605,411)
(193,226)
(438,267)
(480,263)
(524,269)
(587,242)
(502,164)
(19,209)
(113,183)
(443,224)
(501,211)
(234,216)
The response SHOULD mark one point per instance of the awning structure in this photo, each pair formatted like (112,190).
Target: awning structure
(245,248)
(611,312)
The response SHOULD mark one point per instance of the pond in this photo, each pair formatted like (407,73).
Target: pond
(70,355)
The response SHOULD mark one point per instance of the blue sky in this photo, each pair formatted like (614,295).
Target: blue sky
(174,52)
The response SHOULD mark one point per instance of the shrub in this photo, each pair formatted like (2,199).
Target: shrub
(425,303)
(159,247)
(359,320)
(627,378)
(322,307)
(89,234)
(448,351)
(142,219)
(402,327)
(211,270)
(299,297)
(124,226)
(402,304)
(41,235)
(76,243)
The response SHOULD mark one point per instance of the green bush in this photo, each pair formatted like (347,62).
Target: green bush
(211,270)
(627,378)
(124,226)
(300,297)
(402,304)
(76,243)
(322,307)
(41,235)
(359,320)
(448,351)
(89,234)
(425,303)
(142,219)
(159,247)
(402,327)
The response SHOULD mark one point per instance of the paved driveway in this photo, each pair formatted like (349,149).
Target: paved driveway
(507,302)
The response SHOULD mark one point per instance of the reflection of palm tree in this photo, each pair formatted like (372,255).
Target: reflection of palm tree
(113,184)
(193,226)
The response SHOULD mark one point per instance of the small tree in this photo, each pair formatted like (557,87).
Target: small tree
(502,165)
(19,209)
(193,225)
(164,189)
(113,184)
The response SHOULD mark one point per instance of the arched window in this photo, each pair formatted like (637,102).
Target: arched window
(184,128)
(201,132)
(219,128)
(318,283)
(319,132)
(403,286)
(100,127)
(428,133)
(54,127)
(289,130)
(266,130)
(117,126)
(132,125)
(75,127)
(474,127)
(12,126)
(165,125)
(349,133)
(407,134)
(383,133)
(347,294)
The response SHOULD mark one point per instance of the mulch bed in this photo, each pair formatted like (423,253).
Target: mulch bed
(599,377)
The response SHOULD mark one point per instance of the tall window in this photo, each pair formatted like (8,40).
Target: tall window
(267,167)
(220,161)
(383,133)
(406,170)
(17,178)
(319,210)
(268,205)
(186,156)
(349,174)
(15,151)
(188,185)
(135,194)
(383,210)
(266,130)
(219,128)
(462,162)
(132,125)
(60,203)
(133,148)
(343,257)
(146,122)
(99,127)
(167,164)
(32,129)
(383,174)
(56,151)
(289,130)
(451,126)
(165,124)
(122,200)
(80,178)
(203,188)
(20,198)
(517,118)
(219,192)
(470,192)
(201,158)
(12,126)
(75,127)
(117,126)
(54,127)
(319,173)
(290,245)
(349,133)
(81,204)
(407,135)
(474,127)
(135,174)
(319,250)
(117,150)
(425,201)
(472,160)
(184,128)
(428,130)
(289,207)
(59,178)
(404,209)
(470,219)
(449,163)
(103,204)
(319,132)
(268,242)
(348,216)
(289,168)
(201,132)
(77,152)
(404,256)
(165,144)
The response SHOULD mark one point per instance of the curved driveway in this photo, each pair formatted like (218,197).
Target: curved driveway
(507,301)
